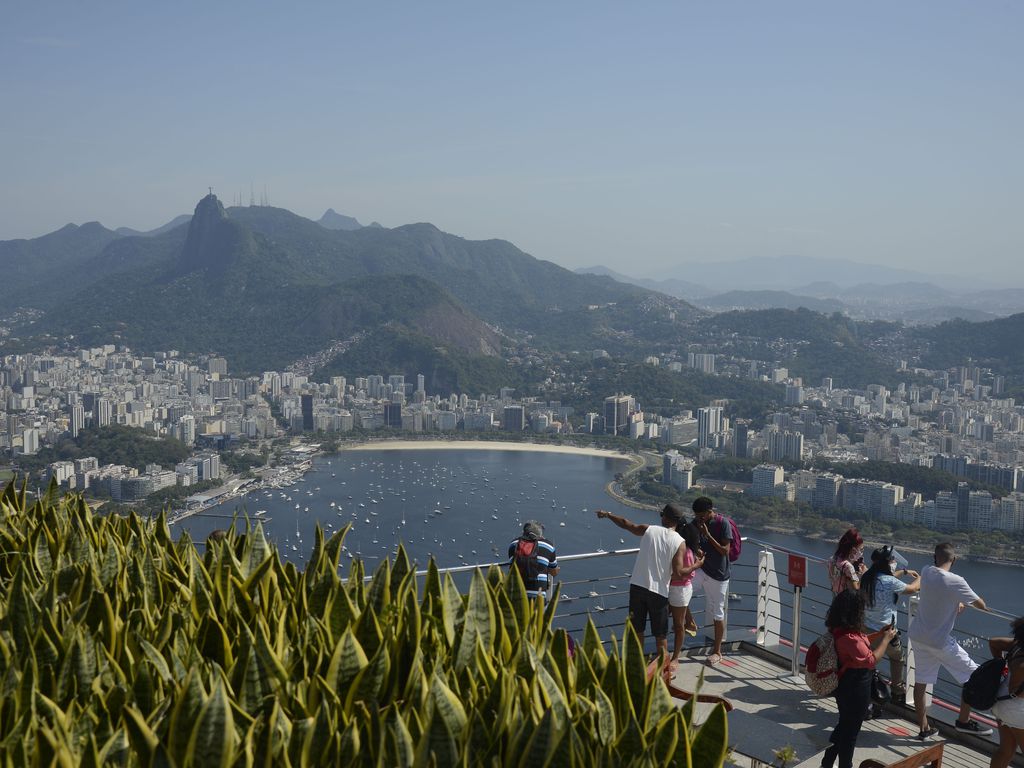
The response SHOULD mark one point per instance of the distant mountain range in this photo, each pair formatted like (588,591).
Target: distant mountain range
(334,220)
(889,296)
(177,221)
(264,287)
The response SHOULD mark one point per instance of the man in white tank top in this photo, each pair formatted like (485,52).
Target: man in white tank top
(661,550)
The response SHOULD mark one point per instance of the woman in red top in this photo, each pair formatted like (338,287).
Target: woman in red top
(845,619)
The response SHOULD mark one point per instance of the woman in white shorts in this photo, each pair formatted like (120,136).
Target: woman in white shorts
(680,588)
(1010,711)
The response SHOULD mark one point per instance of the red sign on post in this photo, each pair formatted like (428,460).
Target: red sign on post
(798,571)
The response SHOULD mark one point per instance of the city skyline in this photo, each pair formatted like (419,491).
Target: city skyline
(641,140)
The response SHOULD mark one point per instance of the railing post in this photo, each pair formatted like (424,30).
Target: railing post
(795,665)
(769,623)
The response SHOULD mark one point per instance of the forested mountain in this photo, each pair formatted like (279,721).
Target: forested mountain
(29,265)
(769,300)
(815,345)
(263,287)
(996,343)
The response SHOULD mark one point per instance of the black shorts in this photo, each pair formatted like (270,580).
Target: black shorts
(644,603)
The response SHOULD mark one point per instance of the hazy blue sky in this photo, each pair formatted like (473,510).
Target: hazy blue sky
(641,136)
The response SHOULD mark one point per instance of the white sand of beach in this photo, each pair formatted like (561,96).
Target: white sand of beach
(480,445)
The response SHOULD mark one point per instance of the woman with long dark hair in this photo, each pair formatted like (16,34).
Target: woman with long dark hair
(845,620)
(882,588)
(847,564)
(1010,711)
(680,588)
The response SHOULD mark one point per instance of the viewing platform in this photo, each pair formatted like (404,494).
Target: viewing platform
(761,676)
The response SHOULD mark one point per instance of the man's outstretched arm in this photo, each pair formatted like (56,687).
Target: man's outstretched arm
(637,529)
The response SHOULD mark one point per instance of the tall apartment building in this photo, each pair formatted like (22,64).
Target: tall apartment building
(826,491)
(393,415)
(709,424)
(617,410)
(307,412)
(872,499)
(218,366)
(784,444)
(740,437)
(514,418)
(766,478)
(677,470)
(946,511)
(705,363)
(794,394)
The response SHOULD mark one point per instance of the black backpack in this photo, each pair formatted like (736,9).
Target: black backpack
(981,690)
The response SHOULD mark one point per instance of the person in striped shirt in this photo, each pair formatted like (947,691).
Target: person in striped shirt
(535,557)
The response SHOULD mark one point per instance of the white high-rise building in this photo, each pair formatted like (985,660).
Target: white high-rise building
(104,412)
(77,419)
(709,424)
(30,441)
(766,477)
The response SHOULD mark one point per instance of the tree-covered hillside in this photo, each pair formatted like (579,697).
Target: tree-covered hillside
(996,343)
(818,345)
(114,444)
(446,370)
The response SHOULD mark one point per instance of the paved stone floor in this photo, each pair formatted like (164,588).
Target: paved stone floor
(772,711)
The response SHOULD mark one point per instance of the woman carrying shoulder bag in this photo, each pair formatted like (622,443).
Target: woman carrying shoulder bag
(1010,711)
(845,619)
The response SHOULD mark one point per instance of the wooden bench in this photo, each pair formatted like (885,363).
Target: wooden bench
(926,758)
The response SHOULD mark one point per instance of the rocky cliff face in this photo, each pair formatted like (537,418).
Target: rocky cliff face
(214,242)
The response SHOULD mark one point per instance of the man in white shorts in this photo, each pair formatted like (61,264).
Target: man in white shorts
(944,595)
(713,576)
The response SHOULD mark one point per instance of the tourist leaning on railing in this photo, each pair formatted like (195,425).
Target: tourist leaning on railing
(882,590)
(944,595)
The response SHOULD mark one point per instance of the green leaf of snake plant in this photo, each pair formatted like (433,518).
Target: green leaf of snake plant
(606,721)
(367,684)
(190,699)
(402,751)
(212,744)
(634,670)
(347,661)
(667,735)
(711,741)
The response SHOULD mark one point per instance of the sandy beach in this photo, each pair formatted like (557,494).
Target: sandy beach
(480,445)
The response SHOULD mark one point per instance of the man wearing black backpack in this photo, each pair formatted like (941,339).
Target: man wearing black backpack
(535,558)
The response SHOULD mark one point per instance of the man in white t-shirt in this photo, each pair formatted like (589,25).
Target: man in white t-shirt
(944,595)
(662,549)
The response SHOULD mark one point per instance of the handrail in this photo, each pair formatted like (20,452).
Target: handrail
(634,550)
(561,559)
(786,550)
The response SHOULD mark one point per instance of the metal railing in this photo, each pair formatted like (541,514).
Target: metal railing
(763,608)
